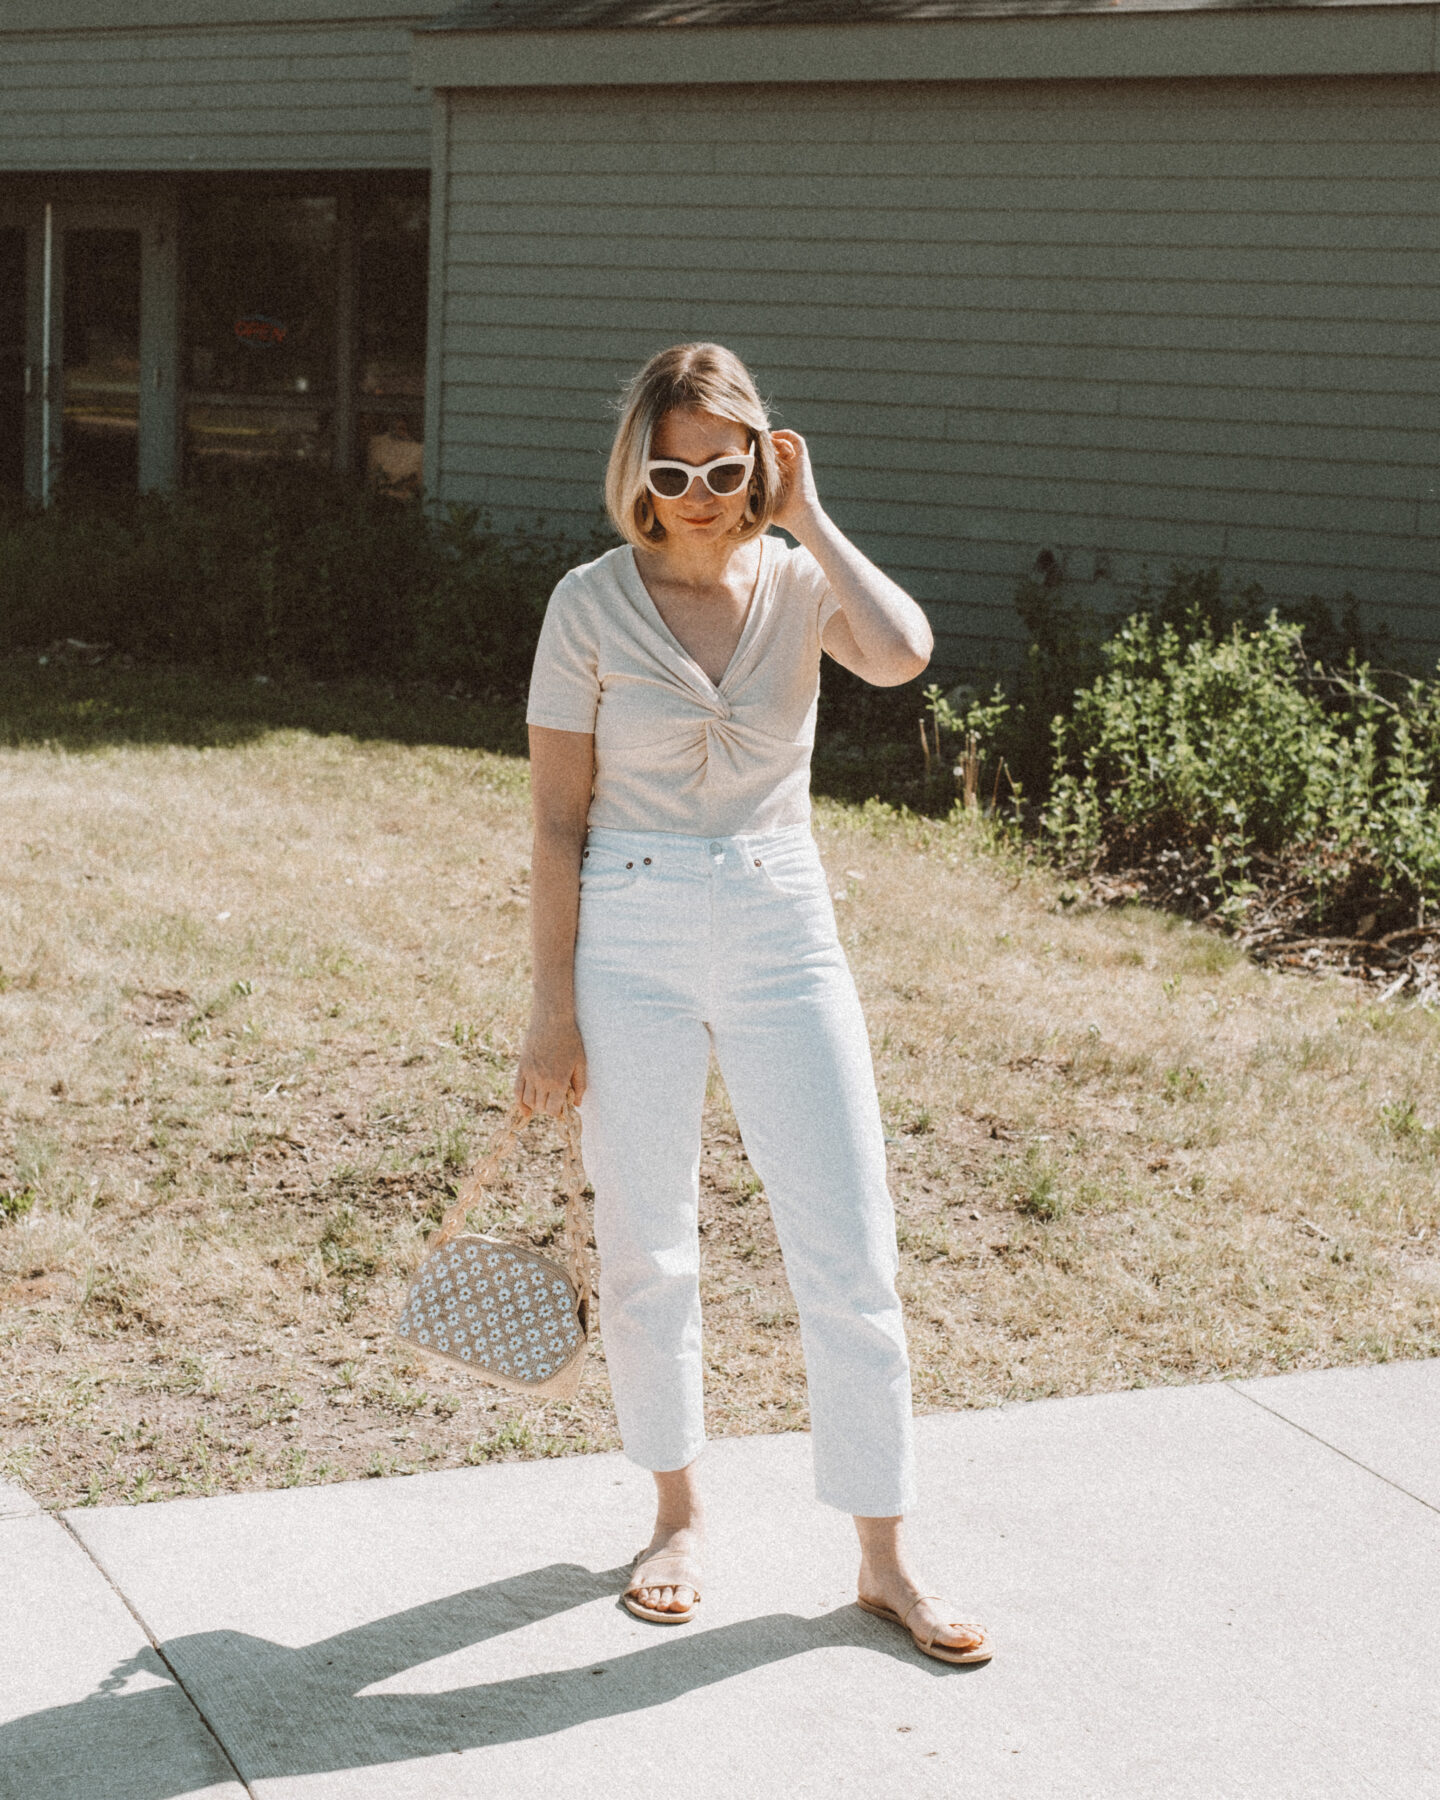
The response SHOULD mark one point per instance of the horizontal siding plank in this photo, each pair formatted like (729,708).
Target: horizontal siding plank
(228,114)
(934,499)
(935,165)
(208,152)
(940,331)
(156,65)
(631,250)
(1395,454)
(676,223)
(66,16)
(1259,112)
(1337,557)
(1416,376)
(928,465)
(1224,401)
(354,100)
(1368,304)
(778,197)
(202,44)
(1326,405)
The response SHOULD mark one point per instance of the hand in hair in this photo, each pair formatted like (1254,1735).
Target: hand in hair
(799,498)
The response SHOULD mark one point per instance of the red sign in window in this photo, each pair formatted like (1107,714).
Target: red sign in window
(260,332)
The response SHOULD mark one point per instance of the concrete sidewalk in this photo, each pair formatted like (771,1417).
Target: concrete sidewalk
(1195,1594)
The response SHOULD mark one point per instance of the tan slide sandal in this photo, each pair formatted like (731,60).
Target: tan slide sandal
(977,1653)
(662,1571)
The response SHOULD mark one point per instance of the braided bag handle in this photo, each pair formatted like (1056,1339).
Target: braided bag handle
(572,1183)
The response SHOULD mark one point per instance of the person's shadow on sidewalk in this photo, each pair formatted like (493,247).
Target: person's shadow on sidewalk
(286,1712)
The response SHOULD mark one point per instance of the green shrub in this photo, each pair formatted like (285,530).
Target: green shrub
(477,618)
(1235,743)
(1065,651)
(1193,742)
(285,569)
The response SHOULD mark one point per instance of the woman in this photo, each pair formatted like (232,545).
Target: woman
(679,904)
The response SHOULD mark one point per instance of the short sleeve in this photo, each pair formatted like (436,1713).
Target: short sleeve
(564,680)
(810,578)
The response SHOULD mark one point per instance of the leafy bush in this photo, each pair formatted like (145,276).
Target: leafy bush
(865,739)
(1235,743)
(1193,742)
(1066,633)
(287,569)
(993,739)
(478,617)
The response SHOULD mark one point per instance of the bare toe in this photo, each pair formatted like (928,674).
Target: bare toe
(949,1634)
(666,1599)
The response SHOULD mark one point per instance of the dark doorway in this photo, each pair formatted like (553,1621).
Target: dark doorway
(100,439)
(12,359)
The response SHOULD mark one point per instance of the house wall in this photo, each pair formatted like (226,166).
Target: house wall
(191,86)
(1133,322)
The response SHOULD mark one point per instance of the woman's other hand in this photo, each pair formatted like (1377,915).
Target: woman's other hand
(552,1067)
(799,497)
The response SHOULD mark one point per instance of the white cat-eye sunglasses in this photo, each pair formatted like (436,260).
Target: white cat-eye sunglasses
(723,475)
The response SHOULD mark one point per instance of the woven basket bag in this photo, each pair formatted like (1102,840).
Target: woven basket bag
(507,1313)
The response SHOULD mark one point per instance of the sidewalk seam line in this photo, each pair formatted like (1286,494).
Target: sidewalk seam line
(156,1646)
(1429,1505)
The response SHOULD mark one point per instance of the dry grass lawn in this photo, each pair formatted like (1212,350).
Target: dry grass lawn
(260,1003)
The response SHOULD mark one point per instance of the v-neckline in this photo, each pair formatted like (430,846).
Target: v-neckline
(747,627)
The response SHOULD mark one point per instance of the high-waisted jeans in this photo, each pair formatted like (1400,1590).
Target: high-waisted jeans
(685,943)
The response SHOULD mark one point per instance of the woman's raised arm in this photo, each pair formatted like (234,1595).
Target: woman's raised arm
(880,633)
(552,1058)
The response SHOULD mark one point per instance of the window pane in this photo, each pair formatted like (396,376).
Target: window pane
(392,269)
(260,294)
(100,439)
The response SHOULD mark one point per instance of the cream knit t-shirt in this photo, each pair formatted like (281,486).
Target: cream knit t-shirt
(675,751)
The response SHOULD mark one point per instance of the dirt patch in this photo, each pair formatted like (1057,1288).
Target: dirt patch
(1372,937)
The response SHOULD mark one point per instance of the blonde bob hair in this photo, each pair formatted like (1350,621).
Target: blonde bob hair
(688,378)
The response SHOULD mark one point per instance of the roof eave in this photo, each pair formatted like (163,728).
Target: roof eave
(1133,45)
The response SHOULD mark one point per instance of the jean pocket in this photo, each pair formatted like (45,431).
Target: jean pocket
(607,871)
(794,870)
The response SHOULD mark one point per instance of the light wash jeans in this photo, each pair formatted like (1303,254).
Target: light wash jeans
(685,943)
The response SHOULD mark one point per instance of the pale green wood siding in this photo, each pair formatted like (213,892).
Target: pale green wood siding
(1138,320)
(287,96)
